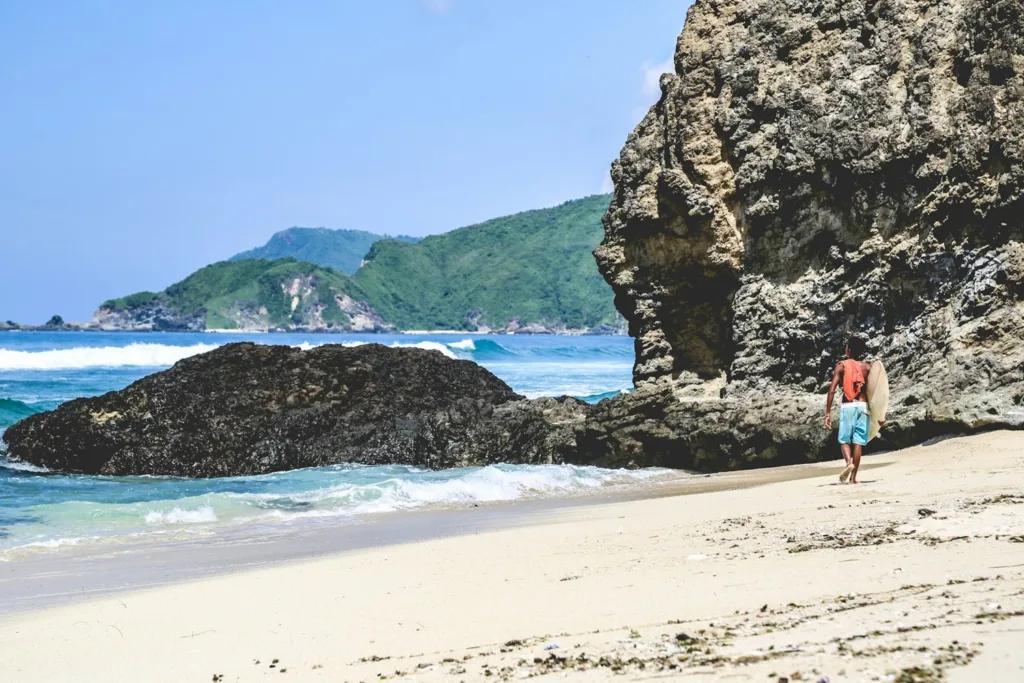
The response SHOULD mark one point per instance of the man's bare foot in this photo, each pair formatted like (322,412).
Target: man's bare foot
(846,473)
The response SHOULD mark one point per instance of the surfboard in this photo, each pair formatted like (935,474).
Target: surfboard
(878,398)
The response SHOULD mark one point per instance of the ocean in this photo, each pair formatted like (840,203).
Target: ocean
(42,511)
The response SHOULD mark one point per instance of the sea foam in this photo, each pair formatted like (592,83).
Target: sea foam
(412,489)
(138,355)
(19,466)
(179,515)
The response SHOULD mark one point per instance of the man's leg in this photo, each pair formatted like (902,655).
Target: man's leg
(845,448)
(856,462)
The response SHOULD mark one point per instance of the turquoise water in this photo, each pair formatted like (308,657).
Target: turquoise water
(39,510)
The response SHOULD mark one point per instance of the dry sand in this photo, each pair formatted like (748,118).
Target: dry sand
(916,574)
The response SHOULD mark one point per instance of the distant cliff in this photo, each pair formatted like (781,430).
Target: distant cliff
(342,250)
(283,294)
(531,272)
(814,170)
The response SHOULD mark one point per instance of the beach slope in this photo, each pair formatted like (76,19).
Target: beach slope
(916,572)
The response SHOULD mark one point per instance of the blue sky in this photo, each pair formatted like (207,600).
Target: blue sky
(140,141)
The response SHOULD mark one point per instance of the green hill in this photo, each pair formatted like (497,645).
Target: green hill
(533,271)
(253,294)
(339,249)
(533,267)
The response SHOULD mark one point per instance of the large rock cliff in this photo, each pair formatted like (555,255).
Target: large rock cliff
(816,168)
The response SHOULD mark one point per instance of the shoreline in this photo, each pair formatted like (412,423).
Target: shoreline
(66,574)
(915,571)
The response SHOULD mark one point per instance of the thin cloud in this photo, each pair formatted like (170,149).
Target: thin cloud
(607,186)
(439,6)
(652,76)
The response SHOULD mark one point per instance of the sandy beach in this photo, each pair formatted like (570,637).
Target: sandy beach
(916,574)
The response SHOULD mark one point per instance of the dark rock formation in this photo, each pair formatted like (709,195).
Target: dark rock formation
(248,409)
(815,169)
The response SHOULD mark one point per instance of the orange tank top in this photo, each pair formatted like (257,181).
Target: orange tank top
(853,379)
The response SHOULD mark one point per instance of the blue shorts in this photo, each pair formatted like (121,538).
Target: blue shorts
(853,423)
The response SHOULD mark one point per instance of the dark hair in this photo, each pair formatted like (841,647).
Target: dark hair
(857,346)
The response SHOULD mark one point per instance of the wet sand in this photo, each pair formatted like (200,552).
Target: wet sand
(918,571)
(44,578)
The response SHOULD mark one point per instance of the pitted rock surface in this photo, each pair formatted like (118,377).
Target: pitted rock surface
(248,409)
(815,169)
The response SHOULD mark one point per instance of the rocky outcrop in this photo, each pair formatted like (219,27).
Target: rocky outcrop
(157,317)
(248,409)
(815,169)
(254,295)
(362,317)
(151,316)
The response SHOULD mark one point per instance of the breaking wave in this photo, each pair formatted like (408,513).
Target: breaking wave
(488,349)
(177,515)
(137,355)
(409,488)
(11,411)
(117,508)
(162,355)
(18,466)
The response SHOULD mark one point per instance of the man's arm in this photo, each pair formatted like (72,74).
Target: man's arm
(837,377)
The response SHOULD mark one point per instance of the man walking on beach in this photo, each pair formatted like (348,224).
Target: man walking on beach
(852,373)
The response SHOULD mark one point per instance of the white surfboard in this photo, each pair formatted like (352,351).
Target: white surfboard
(878,398)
